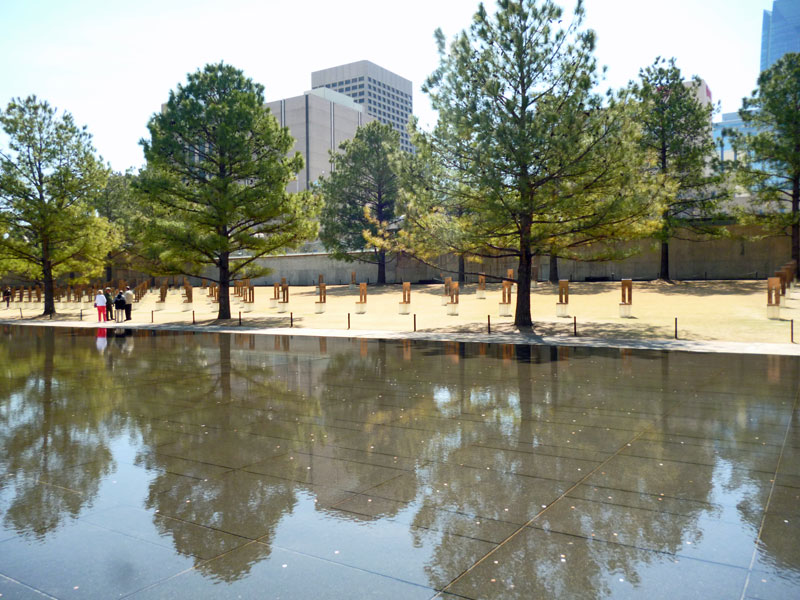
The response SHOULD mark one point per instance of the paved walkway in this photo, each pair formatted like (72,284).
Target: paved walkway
(493,338)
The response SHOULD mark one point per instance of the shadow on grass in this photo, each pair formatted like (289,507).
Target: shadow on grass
(676,288)
(582,288)
(629,330)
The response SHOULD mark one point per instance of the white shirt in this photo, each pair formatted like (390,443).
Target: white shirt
(100,299)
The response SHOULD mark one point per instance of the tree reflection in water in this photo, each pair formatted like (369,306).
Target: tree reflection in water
(234,432)
(56,423)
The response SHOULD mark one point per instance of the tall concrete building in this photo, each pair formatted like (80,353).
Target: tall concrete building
(702,93)
(385,95)
(319,120)
(780,31)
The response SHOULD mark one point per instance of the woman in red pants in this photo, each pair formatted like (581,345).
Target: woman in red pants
(100,303)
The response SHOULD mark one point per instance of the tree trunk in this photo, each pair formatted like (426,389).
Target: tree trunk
(224,287)
(47,396)
(462,267)
(553,268)
(664,270)
(381,267)
(109,271)
(522,317)
(47,276)
(796,224)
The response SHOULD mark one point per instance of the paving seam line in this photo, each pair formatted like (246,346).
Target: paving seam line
(580,482)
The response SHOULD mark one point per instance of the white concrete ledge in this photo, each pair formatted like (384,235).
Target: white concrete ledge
(493,338)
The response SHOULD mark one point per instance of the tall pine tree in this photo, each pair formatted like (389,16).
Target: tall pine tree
(48,175)
(215,182)
(360,195)
(676,129)
(538,160)
(769,160)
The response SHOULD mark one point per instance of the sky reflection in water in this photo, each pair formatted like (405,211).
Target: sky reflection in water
(150,465)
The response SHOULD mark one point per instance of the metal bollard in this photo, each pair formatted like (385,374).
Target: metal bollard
(488,323)
(348,320)
(676,328)
(574,326)
(193,322)
(240,318)
(291,319)
(415,321)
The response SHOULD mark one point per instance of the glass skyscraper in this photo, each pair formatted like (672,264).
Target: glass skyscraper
(780,31)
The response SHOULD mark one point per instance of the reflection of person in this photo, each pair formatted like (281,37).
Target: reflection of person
(109,304)
(119,306)
(128,303)
(100,303)
(119,338)
(7,296)
(102,342)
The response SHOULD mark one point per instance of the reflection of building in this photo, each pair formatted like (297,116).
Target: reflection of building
(780,31)
(722,139)
(386,96)
(319,121)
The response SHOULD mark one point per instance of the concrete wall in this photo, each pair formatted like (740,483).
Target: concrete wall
(735,257)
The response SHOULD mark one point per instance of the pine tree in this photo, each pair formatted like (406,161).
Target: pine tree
(676,129)
(360,195)
(536,160)
(215,182)
(769,163)
(48,176)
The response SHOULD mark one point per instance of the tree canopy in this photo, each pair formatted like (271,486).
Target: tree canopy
(769,160)
(531,157)
(215,182)
(360,195)
(117,203)
(48,176)
(676,130)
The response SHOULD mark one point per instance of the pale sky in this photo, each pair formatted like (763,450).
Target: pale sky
(111,63)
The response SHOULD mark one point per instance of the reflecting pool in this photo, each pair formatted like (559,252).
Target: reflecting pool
(149,464)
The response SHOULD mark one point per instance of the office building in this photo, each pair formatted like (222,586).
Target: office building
(385,95)
(730,122)
(702,93)
(319,120)
(780,31)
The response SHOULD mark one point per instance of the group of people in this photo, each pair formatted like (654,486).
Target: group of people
(121,304)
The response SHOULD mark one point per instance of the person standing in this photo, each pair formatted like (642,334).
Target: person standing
(119,306)
(7,296)
(128,303)
(109,304)
(100,302)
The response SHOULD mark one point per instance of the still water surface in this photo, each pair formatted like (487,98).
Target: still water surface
(165,465)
